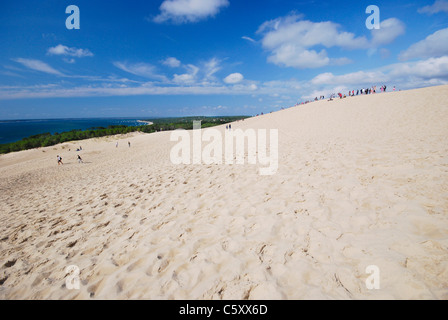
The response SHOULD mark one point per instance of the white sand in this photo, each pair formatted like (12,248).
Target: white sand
(361,181)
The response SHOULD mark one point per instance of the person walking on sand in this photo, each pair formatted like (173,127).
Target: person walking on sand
(80,159)
(59,160)
(116,145)
(129,144)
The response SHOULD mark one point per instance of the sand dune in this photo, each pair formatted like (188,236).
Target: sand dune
(361,181)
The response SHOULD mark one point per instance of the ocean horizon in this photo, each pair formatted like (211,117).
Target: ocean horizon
(16,130)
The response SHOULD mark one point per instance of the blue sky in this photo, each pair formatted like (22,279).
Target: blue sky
(158,58)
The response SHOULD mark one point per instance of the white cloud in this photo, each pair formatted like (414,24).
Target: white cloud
(212,108)
(307,34)
(350,79)
(436,7)
(290,55)
(38,66)
(435,45)
(389,30)
(432,68)
(140,69)
(290,41)
(433,71)
(234,78)
(66,51)
(172,62)
(187,78)
(297,43)
(182,11)
(341,61)
(405,75)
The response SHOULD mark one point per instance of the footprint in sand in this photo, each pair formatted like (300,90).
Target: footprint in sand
(10,263)
(159,266)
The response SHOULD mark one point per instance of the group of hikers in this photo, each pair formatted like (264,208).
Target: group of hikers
(352,93)
(367,91)
(59,158)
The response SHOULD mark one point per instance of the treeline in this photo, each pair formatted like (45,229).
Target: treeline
(168,124)
(165,124)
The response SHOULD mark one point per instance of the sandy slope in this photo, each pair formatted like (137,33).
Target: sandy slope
(361,181)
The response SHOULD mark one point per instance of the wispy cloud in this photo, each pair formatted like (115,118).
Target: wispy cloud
(204,78)
(248,39)
(211,67)
(189,77)
(11,74)
(110,90)
(71,60)
(201,74)
(433,71)
(38,66)
(436,7)
(145,70)
(62,50)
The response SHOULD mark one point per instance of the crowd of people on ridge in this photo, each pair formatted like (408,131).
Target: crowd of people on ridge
(352,93)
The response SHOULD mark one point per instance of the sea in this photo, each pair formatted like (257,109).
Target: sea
(15,130)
